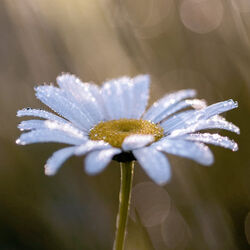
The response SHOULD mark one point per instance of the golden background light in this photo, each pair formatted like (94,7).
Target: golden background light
(201,44)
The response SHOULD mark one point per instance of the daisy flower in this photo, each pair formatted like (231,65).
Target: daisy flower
(111,122)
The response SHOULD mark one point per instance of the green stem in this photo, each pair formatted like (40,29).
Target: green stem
(127,172)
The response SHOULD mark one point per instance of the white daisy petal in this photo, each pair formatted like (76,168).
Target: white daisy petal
(176,121)
(217,108)
(121,97)
(195,103)
(84,94)
(212,123)
(136,141)
(56,99)
(211,111)
(39,113)
(49,135)
(96,161)
(31,124)
(67,127)
(192,150)
(140,89)
(155,164)
(112,94)
(214,139)
(57,159)
(166,102)
(91,145)
(47,124)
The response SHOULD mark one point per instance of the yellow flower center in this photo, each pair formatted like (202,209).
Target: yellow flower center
(115,131)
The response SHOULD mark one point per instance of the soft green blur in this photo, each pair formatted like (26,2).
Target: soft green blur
(201,44)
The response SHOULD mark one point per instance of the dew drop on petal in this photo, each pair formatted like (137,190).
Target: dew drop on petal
(151,202)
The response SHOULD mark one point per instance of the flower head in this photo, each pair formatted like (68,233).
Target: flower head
(110,122)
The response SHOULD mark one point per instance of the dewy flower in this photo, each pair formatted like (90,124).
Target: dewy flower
(110,122)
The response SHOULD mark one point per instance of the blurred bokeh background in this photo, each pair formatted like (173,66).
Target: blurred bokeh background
(201,44)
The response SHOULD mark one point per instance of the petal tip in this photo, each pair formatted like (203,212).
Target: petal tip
(209,162)
(48,171)
(235,147)
(20,142)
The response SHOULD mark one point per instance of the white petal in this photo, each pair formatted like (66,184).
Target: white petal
(43,124)
(136,141)
(96,161)
(166,102)
(31,124)
(140,95)
(86,96)
(195,103)
(155,164)
(91,145)
(192,150)
(57,159)
(125,97)
(217,108)
(214,139)
(215,122)
(176,121)
(49,135)
(56,99)
(39,113)
(112,94)
(211,111)
(67,127)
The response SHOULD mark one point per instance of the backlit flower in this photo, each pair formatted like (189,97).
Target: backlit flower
(110,122)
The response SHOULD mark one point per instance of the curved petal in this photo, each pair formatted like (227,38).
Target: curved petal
(126,97)
(57,100)
(52,125)
(39,113)
(57,159)
(192,150)
(86,96)
(31,125)
(47,124)
(166,102)
(215,122)
(90,146)
(140,95)
(136,141)
(194,103)
(96,161)
(176,121)
(155,164)
(49,135)
(187,118)
(217,108)
(214,139)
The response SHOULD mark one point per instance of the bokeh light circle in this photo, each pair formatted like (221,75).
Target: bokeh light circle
(175,231)
(241,5)
(151,202)
(201,16)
